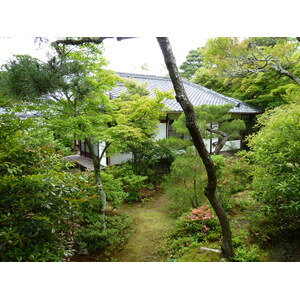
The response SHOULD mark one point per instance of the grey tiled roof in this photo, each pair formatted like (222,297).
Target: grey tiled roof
(197,94)
(22,115)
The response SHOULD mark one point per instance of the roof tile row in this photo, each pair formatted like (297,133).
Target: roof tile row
(197,94)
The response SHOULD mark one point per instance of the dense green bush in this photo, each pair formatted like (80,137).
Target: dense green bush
(50,217)
(233,175)
(34,218)
(90,235)
(185,183)
(129,183)
(246,254)
(276,175)
(46,211)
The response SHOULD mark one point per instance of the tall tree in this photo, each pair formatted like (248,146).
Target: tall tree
(260,71)
(191,124)
(191,65)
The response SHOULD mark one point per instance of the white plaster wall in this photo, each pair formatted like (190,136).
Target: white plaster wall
(207,144)
(103,160)
(121,158)
(232,145)
(161,131)
(161,134)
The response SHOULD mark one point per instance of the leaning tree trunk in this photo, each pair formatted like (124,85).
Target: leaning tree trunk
(210,190)
(98,181)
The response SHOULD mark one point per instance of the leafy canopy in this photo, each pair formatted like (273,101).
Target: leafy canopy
(257,70)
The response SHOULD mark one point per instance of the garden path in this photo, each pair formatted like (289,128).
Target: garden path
(150,223)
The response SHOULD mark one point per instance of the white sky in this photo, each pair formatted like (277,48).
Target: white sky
(130,55)
(124,56)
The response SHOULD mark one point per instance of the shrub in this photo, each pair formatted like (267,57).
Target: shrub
(233,175)
(45,211)
(34,218)
(91,236)
(124,177)
(155,156)
(199,223)
(246,254)
(276,175)
(185,184)
(191,228)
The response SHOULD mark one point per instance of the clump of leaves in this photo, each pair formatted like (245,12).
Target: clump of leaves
(130,183)
(276,175)
(91,236)
(233,175)
(185,184)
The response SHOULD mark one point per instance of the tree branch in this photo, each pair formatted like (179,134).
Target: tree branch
(84,40)
(221,143)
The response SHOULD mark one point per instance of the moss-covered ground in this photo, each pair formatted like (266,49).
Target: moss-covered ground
(151,221)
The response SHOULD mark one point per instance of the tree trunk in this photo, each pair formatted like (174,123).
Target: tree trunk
(222,142)
(98,181)
(210,190)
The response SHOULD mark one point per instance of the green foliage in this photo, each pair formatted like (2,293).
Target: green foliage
(41,134)
(185,184)
(43,205)
(244,251)
(243,254)
(233,175)
(276,174)
(35,217)
(129,183)
(246,69)
(77,106)
(24,78)
(68,90)
(37,213)
(151,156)
(191,65)
(135,116)
(91,236)
(219,118)
(20,155)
